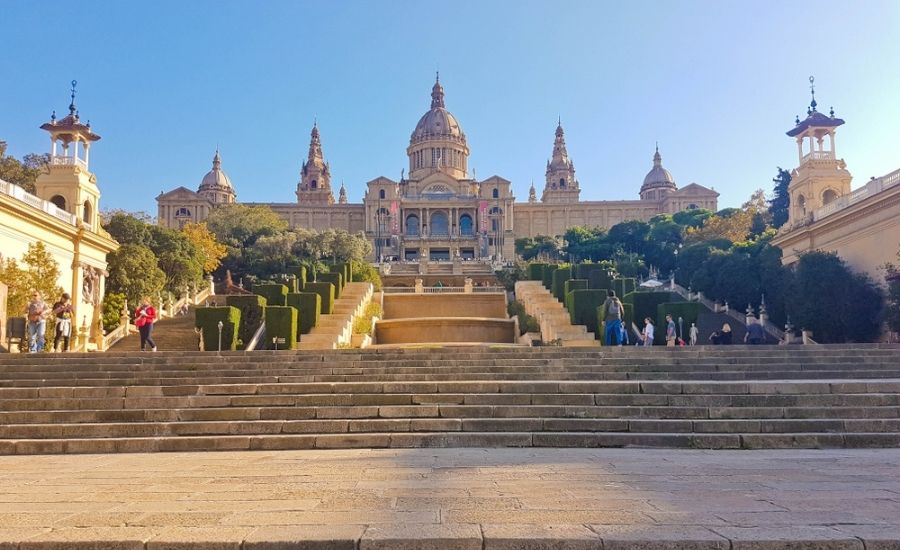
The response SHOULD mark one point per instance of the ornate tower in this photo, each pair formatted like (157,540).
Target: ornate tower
(532,195)
(69,183)
(438,144)
(216,185)
(658,182)
(820,177)
(342,196)
(315,175)
(561,185)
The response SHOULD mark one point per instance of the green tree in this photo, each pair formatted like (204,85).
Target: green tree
(541,247)
(38,271)
(134,272)
(22,173)
(693,217)
(113,302)
(781,201)
(892,305)
(239,226)
(127,228)
(630,236)
(178,258)
(838,305)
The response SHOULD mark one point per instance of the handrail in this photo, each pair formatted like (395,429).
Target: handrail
(741,318)
(115,335)
(257,337)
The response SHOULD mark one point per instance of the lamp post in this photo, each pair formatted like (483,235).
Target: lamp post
(220,325)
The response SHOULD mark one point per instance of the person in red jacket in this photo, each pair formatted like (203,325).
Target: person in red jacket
(144,317)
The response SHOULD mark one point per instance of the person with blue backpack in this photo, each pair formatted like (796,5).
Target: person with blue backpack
(613,311)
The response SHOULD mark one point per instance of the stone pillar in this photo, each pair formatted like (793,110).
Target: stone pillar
(420,289)
(212,286)
(467,288)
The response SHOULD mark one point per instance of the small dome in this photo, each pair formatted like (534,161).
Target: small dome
(216,178)
(658,176)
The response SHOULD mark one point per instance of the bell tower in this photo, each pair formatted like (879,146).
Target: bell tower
(561,185)
(820,178)
(68,182)
(315,174)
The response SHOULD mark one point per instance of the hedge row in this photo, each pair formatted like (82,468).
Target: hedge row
(560,276)
(689,312)
(308,305)
(646,303)
(207,320)
(326,293)
(583,305)
(536,272)
(547,275)
(281,324)
(336,279)
(253,313)
(274,293)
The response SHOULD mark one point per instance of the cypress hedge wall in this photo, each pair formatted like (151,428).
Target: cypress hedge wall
(309,306)
(688,311)
(624,286)
(281,323)
(253,313)
(547,275)
(536,271)
(574,284)
(274,293)
(582,305)
(326,293)
(645,303)
(598,278)
(335,279)
(560,276)
(207,320)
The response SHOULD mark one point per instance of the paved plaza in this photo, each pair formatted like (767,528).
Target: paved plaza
(454,498)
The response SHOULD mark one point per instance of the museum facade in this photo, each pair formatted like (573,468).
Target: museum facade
(438,210)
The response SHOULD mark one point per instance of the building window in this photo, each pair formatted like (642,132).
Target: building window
(59,201)
(88,211)
(828,196)
(495,214)
(562,183)
(381,193)
(312,184)
(183,213)
(440,227)
(692,206)
(433,157)
(465,225)
(412,225)
(495,193)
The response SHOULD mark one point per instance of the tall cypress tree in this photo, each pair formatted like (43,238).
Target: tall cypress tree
(781,200)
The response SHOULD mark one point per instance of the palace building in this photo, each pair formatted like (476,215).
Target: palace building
(439,210)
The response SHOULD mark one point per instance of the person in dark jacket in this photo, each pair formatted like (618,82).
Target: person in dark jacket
(756,335)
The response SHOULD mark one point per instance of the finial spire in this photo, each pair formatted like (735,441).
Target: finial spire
(812,91)
(72,109)
(657,158)
(437,93)
(437,77)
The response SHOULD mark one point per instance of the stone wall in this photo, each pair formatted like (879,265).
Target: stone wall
(404,306)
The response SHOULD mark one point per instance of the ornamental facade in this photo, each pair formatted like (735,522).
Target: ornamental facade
(438,210)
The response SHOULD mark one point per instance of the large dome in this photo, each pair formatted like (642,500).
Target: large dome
(658,176)
(437,122)
(216,179)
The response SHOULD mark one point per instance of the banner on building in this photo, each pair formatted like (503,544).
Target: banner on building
(395,218)
(483,215)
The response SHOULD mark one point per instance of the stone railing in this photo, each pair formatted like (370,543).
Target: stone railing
(871,188)
(17,192)
(818,155)
(60,160)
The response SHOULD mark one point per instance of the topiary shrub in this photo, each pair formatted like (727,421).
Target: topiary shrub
(599,278)
(281,324)
(326,293)
(689,313)
(308,306)
(253,312)
(113,302)
(623,286)
(645,303)
(574,284)
(584,270)
(274,293)
(334,278)
(536,271)
(298,271)
(560,276)
(207,320)
(582,305)
(547,275)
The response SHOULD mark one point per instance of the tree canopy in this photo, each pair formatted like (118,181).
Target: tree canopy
(37,271)
(22,172)
(781,201)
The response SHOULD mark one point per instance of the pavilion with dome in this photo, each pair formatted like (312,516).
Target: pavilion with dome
(438,210)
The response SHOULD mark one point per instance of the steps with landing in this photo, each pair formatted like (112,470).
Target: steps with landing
(336,328)
(552,315)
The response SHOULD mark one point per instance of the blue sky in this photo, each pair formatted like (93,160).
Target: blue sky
(715,83)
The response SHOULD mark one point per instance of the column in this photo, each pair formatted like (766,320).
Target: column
(87,153)
(53,146)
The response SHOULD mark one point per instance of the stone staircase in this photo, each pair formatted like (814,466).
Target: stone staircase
(171,334)
(553,317)
(336,328)
(733,397)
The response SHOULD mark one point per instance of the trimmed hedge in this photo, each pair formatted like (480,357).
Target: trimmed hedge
(645,303)
(688,311)
(574,284)
(599,278)
(274,293)
(334,278)
(308,305)
(623,287)
(326,293)
(583,271)
(281,322)
(583,305)
(547,275)
(298,271)
(344,269)
(627,320)
(207,320)
(253,313)
(560,276)
(536,271)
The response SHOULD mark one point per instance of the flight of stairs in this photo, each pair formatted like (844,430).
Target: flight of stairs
(702,397)
(172,334)
(553,317)
(336,328)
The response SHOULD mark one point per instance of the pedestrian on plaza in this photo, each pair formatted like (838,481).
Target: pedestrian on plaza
(648,333)
(756,335)
(725,335)
(63,312)
(613,310)
(694,334)
(671,334)
(144,317)
(36,313)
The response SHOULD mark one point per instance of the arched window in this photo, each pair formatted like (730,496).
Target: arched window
(828,196)
(801,205)
(381,193)
(562,183)
(412,225)
(495,193)
(312,184)
(59,201)
(465,225)
(183,213)
(88,212)
(440,227)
